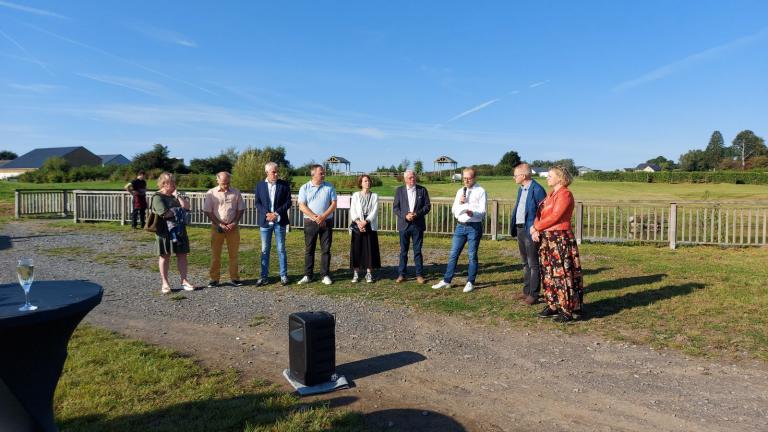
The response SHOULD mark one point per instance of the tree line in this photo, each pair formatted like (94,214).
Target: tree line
(747,151)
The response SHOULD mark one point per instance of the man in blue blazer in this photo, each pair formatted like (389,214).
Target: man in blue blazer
(273,199)
(529,196)
(410,206)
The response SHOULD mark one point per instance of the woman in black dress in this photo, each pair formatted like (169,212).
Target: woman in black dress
(363,213)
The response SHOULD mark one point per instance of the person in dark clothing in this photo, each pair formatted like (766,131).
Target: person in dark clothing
(138,189)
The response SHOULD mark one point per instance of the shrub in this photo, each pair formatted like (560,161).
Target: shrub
(735,177)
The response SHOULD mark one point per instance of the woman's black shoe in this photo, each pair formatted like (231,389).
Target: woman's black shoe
(562,318)
(547,313)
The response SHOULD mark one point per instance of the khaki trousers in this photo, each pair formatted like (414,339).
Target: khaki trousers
(233,247)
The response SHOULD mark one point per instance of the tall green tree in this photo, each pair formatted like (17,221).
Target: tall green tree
(8,155)
(249,167)
(715,150)
(418,166)
(693,160)
(157,158)
(746,145)
(213,165)
(507,163)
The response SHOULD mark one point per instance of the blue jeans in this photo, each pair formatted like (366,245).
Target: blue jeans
(411,232)
(471,233)
(266,245)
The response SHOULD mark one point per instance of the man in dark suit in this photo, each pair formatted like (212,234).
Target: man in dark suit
(529,196)
(273,199)
(410,206)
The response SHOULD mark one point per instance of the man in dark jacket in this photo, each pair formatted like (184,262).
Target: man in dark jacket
(273,199)
(138,189)
(410,206)
(529,196)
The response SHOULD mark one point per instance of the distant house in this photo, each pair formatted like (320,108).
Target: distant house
(581,170)
(114,159)
(75,156)
(648,167)
(539,171)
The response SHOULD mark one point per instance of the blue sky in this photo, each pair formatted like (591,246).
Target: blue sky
(607,83)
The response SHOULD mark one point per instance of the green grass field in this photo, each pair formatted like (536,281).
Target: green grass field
(505,188)
(111,383)
(701,300)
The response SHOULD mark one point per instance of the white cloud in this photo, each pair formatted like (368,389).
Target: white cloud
(139,85)
(121,59)
(36,88)
(536,84)
(708,54)
(31,10)
(29,57)
(164,35)
(473,110)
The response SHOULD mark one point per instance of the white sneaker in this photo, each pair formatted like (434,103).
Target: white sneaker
(441,284)
(369,277)
(327,280)
(468,287)
(304,280)
(355,278)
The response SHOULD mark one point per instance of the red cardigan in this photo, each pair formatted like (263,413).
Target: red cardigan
(555,211)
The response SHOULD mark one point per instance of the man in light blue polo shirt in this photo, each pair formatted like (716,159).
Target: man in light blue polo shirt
(317,200)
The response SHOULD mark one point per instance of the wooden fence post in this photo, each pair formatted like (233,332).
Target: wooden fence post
(673,225)
(17,204)
(75,205)
(579,222)
(495,220)
(64,203)
(122,208)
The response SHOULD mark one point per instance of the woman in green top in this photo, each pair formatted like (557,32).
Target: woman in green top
(166,198)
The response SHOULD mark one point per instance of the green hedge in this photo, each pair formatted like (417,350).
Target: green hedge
(736,177)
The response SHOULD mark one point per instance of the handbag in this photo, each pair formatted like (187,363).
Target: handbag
(152,221)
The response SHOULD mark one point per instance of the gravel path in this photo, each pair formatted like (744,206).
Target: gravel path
(412,370)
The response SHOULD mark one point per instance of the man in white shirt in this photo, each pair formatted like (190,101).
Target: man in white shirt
(469,210)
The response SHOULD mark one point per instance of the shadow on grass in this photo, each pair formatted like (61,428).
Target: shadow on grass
(595,271)
(624,282)
(264,409)
(259,411)
(375,365)
(610,306)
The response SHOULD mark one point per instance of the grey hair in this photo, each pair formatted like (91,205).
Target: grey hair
(269,165)
(524,168)
(223,174)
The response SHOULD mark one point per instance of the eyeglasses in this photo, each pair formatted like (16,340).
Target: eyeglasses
(518,175)
(468,178)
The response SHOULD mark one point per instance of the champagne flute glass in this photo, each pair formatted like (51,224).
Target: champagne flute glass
(25,270)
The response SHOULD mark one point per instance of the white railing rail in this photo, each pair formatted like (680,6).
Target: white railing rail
(690,222)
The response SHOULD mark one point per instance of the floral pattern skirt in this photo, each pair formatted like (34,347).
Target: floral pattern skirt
(561,275)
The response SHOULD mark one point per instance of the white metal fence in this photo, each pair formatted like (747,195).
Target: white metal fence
(691,222)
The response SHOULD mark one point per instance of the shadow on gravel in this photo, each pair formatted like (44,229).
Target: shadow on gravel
(5,243)
(610,306)
(625,282)
(409,420)
(374,365)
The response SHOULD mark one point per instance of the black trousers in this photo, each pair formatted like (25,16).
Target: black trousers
(136,214)
(529,253)
(311,232)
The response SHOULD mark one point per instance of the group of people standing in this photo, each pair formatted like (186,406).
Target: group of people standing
(540,221)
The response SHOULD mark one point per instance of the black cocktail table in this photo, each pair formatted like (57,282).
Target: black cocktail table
(34,347)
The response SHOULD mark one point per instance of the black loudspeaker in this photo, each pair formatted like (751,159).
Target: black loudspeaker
(312,347)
